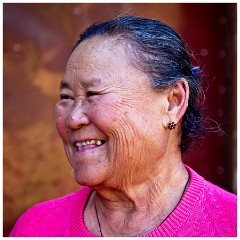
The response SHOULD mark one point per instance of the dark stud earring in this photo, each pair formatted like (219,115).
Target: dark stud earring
(172,125)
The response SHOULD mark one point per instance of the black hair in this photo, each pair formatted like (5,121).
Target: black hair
(160,52)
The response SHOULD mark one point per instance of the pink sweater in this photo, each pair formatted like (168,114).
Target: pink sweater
(205,210)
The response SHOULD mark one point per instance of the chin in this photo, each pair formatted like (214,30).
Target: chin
(90,179)
(84,179)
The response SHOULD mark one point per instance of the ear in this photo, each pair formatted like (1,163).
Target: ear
(178,100)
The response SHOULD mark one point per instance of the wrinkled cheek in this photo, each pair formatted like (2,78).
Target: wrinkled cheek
(124,160)
(60,118)
(124,143)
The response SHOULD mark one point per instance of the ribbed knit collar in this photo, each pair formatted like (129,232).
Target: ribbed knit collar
(168,228)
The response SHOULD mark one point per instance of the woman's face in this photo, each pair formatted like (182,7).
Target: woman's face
(109,118)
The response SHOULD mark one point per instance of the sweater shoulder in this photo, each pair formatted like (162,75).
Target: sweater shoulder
(47,207)
(220,210)
(218,196)
(215,212)
(211,192)
(47,218)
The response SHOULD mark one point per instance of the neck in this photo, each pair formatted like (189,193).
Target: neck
(137,209)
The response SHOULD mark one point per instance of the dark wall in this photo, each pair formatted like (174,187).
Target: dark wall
(37,42)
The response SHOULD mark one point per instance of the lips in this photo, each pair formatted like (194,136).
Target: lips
(80,145)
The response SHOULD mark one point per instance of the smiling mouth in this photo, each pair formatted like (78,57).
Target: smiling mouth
(81,145)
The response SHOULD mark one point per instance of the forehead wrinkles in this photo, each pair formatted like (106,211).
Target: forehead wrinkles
(99,49)
(102,57)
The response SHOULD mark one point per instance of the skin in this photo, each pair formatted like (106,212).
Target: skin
(138,168)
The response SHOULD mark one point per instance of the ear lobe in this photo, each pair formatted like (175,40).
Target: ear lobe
(178,100)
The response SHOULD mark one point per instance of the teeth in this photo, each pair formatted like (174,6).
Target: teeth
(89,142)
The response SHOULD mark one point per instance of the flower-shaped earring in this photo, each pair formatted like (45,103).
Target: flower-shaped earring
(172,125)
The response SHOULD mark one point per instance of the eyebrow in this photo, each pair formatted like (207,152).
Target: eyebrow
(64,85)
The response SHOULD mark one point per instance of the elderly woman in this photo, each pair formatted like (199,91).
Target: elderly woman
(128,109)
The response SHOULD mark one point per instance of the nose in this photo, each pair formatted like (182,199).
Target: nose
(77,118)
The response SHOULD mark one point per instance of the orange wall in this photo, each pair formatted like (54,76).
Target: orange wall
(37,43)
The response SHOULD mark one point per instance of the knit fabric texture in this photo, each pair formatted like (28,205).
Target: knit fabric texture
(205,210)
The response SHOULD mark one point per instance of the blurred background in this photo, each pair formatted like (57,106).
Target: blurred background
(37,41)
